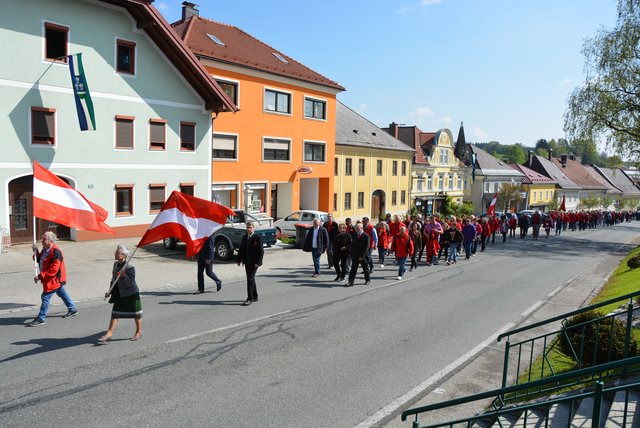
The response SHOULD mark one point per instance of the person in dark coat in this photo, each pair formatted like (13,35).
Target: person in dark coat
(342,248)
(316,243)
(250,254)
(523,223)
(124,294)
(359,252)
(332,229)
(205,264)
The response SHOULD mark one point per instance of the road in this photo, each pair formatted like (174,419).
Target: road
(309,353)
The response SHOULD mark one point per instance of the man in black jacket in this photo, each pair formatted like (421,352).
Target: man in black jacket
(205,263)
(316,243)
(359,252)
(332,230)
(250,253)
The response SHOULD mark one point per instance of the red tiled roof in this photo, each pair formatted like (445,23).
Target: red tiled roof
(531,176)
(243,50)
(579,174)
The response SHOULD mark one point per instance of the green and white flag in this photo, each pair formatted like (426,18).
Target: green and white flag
(84,105)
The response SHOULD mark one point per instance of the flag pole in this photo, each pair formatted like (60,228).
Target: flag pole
(35,248)
(113,282)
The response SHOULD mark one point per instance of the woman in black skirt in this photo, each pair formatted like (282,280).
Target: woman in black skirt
(125,296)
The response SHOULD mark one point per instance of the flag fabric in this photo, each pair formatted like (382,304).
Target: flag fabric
(84,105)
(492,206)
(188,218)
(562,206)
(56,201)
(473,167)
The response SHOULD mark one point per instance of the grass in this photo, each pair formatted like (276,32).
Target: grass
(622,281)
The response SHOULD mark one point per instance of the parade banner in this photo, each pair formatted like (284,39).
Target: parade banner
(84,105)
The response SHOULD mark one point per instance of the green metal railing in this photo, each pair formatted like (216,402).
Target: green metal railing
(524,352)
(499,411)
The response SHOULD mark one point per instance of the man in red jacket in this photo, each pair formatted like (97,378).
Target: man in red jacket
(53,276)
(402,244)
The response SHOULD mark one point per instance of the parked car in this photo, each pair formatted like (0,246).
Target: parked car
(227,239)
(286,225)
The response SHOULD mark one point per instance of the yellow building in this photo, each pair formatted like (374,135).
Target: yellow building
(436,170)
(371,169)
(540,190)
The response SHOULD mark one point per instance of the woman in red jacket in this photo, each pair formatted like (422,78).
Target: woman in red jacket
(403,247)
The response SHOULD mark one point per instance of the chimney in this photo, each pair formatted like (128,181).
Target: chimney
(393,129)
(563,159)
(189,10)
(550,153)
(530,159)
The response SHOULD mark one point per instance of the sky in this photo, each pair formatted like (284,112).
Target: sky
(504,68)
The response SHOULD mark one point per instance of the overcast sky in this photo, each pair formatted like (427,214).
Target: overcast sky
(503,67)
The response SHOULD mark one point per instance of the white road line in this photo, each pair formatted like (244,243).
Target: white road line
(400,401)
(556,291)
(532,308)
(215,330)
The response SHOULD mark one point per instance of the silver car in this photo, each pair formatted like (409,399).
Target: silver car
(286,225)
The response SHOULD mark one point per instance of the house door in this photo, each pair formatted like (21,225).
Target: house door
(377,205)
(21,217)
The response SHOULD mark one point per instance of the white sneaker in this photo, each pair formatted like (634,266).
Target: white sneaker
(399,278)
(381,266)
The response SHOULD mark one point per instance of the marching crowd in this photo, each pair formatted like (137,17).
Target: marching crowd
(352,245)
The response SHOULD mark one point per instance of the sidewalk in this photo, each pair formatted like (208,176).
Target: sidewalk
(89,270)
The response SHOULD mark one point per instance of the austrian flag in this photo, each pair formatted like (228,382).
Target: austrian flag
(56,201)
(492,206)
(188,218)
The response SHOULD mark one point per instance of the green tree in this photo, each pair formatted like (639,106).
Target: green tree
(516,153)
(607,105)
(509,196)
(589,202)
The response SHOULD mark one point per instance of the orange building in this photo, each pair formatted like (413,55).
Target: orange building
(275,155)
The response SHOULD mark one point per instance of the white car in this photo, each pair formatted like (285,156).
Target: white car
(286,225)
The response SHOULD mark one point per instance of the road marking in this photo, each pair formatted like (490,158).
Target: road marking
(532,308)
(216,330)
(400,401)
(556,291)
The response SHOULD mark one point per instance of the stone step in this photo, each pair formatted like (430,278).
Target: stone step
(616,414)
(531,419)
(583,417)
(560,415)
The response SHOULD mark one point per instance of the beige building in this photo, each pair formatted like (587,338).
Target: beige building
(372,169)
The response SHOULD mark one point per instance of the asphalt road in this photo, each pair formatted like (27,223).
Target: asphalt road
(309,353)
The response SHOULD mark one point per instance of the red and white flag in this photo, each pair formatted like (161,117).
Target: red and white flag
(562,205)
(56,201)
(492,206)
(188,218)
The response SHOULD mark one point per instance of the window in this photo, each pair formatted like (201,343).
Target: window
(459,183)
(278,102)
(335,167)
(156,197)
(466,183)
(124,132)
(347,201)
(444,157)
(360,166)
(56,42)
(187,136)
(43,126)
(450,181)
(429,183)
(225,147)
(125,57)
(347,166)
(275,149)
(441,182)
(124,200)
(230,88)
(157,134)
(315,109)
(188,188)
(379,167)
(335,201)
(403,197)
(360,199)
(419,185)
(404,168)
(394,168)
(394,197)
(314,152)
(486,188)
(215,40)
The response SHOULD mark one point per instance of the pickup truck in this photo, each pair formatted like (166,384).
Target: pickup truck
(227,238)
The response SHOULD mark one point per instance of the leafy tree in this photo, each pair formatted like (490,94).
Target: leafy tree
(607,105)
(516,153)
(509,196)
(590,202)
(586,150)
(542,144)
(605,201)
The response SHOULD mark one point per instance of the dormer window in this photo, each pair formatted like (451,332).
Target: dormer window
(280,57)
(216,40)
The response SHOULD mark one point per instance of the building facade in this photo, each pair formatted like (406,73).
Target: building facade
(152,100)
(372,169)
(275,155)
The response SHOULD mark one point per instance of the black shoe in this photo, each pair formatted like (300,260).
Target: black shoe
(255,299)
(349,284)
(367,282)
(199,292)
(218,285)
(246,303)
(337,278)
(70,314)
(36,323)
